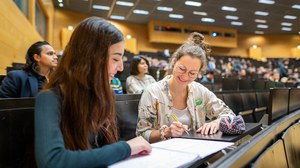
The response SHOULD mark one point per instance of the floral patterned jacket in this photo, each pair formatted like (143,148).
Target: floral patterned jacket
(155,107)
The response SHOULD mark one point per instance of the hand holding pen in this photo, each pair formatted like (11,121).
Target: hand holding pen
(178,124)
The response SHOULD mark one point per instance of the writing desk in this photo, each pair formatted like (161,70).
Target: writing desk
(251,129)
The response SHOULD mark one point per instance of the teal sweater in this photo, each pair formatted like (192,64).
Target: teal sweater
(50,149)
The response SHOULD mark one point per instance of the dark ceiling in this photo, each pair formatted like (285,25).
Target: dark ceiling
(245,10)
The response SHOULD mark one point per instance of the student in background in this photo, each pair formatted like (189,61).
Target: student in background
(138,79)
(75,118)
(180,95)
(116,85)
(41,59)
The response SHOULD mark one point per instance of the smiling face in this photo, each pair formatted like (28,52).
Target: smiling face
(186,70)
(115,62)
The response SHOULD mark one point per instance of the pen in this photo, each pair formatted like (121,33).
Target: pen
(175,118)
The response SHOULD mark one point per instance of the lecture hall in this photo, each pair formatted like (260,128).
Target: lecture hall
(149,83)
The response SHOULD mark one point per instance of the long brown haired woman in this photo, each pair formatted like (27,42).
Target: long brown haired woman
(75,119)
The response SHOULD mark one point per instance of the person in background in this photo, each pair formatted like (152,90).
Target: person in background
(138,79)
(116,85)
(180,95)
(41,59)
(75,118)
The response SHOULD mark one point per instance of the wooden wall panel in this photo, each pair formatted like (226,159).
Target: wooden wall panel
(16,35)
(180,37)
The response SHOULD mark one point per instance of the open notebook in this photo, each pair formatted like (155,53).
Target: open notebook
(176,152)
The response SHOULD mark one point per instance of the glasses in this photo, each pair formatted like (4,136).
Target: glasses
(182,70)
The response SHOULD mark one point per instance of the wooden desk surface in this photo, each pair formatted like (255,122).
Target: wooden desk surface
(251,129)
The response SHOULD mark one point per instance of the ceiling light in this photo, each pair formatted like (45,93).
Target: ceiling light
(228,8)
(208,20)
(290,17)
(259,32)
(270,2)
(261,13)
(200,13)
(70,27)
(286,24)
(101,7)
(128,36)
(142,12)
(286,29)
(298,46)
(296,6)
(262,26)
(176,16)
(237,23)
(192,3)
(117,17)
(60,1)
(164,8)
(61,5)
(231,17)
(260,21)
(124,3)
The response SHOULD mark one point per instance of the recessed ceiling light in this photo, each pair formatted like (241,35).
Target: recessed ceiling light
(270,2)
(101,7)
(260,21)
(142,12)
(60,1)
(261,13)
(262,26)
(61,5)
(164,8)
(230,17)
(117,17)
(286,24)
(176,16)
(200,13)
(298,46)
(290,17)
(70,27)
(286,29)
(259,32)
(128,36)
(236,23)
(208,20)
(296,6)
(124,3)
(228,8)
(192,3)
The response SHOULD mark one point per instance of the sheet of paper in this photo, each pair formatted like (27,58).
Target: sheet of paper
(158,158)
(201,147)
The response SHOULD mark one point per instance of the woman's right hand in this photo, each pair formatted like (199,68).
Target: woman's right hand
(177,129)
(139,145)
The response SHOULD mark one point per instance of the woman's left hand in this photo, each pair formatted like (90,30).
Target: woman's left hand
(210,128)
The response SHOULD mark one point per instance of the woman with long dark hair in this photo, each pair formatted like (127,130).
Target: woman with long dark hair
(75,118)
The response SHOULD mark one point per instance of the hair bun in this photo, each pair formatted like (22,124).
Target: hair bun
(196,38)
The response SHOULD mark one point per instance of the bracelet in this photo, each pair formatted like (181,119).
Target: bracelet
(162,133)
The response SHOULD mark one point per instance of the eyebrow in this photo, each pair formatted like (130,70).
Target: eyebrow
(117,53)
(186,68)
